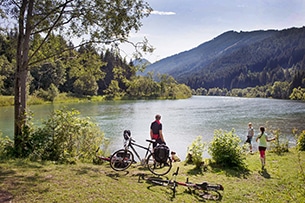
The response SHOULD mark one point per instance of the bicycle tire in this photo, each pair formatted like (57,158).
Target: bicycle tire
(121,160)
(156,168)
(159,181)
(214,187)
(211,195)
(167,183)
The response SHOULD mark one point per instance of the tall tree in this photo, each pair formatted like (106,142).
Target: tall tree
(90,21)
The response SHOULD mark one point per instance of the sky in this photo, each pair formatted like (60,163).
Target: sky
(180,25)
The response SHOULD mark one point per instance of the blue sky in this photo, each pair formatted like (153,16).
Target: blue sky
(180,25)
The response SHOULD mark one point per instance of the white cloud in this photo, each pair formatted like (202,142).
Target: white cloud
(163,13)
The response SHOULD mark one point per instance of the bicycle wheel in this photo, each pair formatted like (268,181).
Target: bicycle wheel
(121,160)
(158,181)
(158,168)
(167,183)
(211,195)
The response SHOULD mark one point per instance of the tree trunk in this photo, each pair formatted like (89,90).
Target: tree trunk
(24,33)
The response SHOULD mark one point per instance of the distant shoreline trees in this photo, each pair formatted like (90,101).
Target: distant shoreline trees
(279,90)
(84,72)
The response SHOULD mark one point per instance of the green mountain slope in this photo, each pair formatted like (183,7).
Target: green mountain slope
(238,60)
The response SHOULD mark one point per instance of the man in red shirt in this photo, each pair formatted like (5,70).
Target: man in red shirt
(156,131)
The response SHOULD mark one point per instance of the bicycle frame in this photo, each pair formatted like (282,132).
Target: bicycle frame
(206,190)
(122,159)
(131,144)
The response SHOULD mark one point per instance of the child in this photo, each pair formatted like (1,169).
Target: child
(250,136)
(262,146)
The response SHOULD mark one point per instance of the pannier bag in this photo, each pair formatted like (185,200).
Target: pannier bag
(161,153)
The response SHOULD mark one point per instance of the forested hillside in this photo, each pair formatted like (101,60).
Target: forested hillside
(241,60)
(82,72)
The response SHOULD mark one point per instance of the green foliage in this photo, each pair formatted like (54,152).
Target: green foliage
(195,152)
(113,91)
(6,147)
(6,100)
(65,137)
(298,94)
(6,75)
(280,90)
(85,85)
(48,95)
(167,88)
(280,145)
(141,87)
(225,149)
(301,141)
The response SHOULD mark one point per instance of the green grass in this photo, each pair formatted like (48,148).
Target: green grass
(283,181)
(61,98)
(6,100)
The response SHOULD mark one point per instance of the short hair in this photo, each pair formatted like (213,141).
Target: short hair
(158,117)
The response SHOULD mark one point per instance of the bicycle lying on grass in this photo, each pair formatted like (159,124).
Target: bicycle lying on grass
(204,190)
(122,159)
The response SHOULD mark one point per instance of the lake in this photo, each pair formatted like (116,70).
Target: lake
(183,120)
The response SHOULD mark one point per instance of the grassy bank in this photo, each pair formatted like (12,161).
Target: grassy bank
(61,98)
(24,181)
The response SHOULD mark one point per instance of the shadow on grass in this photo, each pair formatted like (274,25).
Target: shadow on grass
(265,174)
(234,171)
(5,196)
(116,175)
(15,182)
(6,173)
(24,163)
(240,172)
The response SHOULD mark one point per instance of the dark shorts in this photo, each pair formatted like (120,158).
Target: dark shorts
(249,139)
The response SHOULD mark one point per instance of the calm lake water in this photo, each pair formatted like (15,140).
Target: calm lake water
(183,120)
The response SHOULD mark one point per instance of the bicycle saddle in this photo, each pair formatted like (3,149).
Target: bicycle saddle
(151,141)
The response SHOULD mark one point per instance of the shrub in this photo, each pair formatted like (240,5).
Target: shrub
(225,149)
(49,95)
(279,146)
(6,147)
(301,141)
(195,152)
(65,137)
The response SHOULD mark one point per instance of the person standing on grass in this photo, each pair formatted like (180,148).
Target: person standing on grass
(250,136)
(156,131)
(262,146)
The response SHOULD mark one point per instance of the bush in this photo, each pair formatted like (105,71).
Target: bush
(279,146)
(195,152)
(48,95)
(225,149)
(301,141)
(6,147)
(66,138)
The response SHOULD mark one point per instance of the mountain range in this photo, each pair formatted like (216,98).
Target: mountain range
(238,60)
